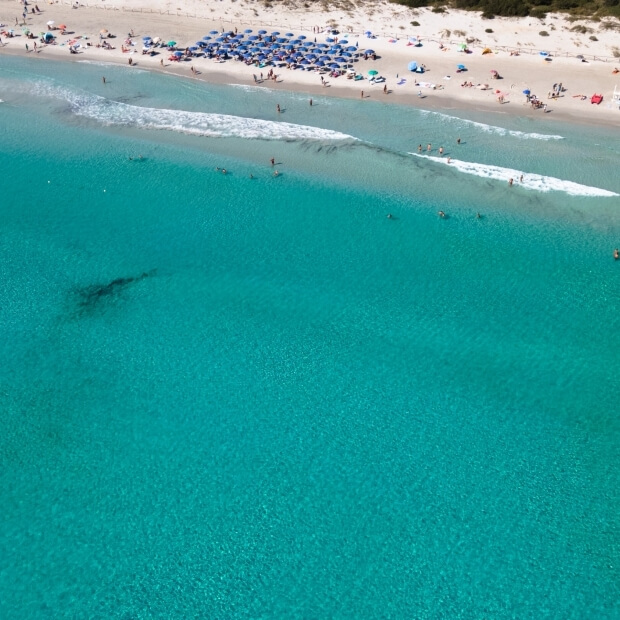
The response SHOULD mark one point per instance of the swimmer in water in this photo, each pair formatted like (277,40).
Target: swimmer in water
(276,173)
(478,216)
(510,181)
(390,216)
(616,254)
(441,214)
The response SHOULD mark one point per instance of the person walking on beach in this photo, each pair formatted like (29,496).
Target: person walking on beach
(385,89)
(27,50)
(362,94)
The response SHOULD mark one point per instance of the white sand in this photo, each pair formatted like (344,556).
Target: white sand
(186,21)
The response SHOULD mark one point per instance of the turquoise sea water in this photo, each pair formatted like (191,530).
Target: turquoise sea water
(231,397)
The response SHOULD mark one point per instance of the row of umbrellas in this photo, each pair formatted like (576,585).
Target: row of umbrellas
(265,46)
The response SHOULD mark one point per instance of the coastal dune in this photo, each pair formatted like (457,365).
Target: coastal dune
(578,55)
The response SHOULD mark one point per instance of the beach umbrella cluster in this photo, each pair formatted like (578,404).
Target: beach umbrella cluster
(271,49)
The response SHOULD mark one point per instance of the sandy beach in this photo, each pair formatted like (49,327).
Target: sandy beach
(583,62)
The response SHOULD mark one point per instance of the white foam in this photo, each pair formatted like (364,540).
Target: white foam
(536,182)
(500,131)
(110,112)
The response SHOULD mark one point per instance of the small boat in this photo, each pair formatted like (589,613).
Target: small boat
(596,99)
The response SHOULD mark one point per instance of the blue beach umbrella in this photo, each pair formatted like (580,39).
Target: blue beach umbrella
(146,38)
(302,37)
(290,34)
(247,30)
(262,32)
(369,51)
(275,33)
(460,67)
(178,54)
(253,38)
(207,38)
(193,48)
(329,40)
(214,32)
(527,91)
(412,66)
(343,42)
(319,63)
(351,48)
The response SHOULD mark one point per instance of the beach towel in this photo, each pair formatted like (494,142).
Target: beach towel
(401,82)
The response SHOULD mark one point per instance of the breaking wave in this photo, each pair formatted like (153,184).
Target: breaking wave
(109,112)
(536,182)
(500,131)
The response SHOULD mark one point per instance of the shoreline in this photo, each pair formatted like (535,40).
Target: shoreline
(448,95)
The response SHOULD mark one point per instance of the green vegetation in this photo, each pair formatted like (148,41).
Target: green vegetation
(523,8)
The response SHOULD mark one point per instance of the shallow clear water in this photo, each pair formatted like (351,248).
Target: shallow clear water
(226,396)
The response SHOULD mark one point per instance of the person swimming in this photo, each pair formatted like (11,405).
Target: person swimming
(441,214)
(616,254)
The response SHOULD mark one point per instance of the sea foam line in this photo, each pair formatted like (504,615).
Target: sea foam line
(111,112)
(500,131)
(530,181)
